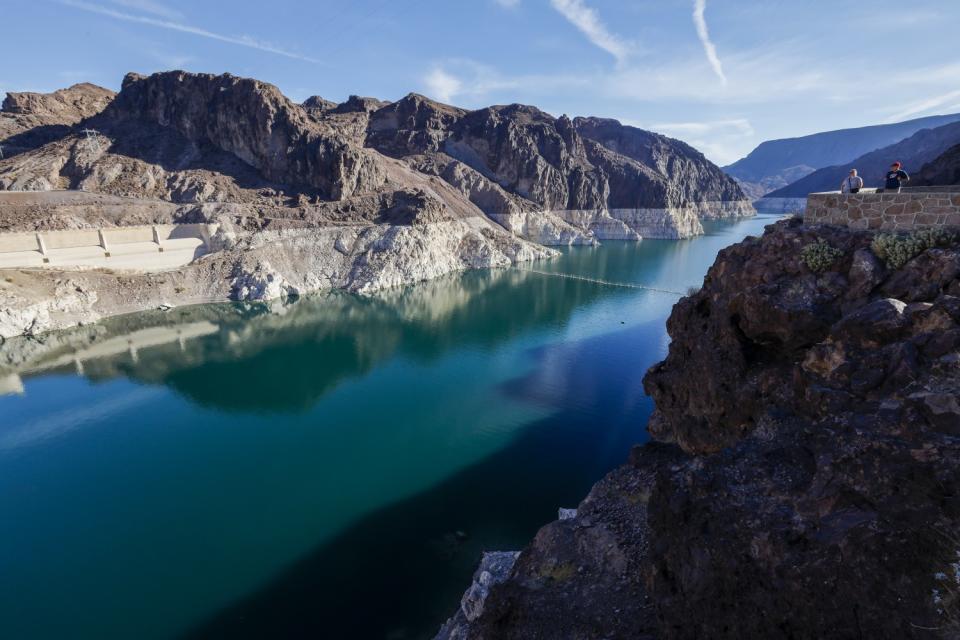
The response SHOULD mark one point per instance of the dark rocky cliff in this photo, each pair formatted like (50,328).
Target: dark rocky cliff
(197,137)
(803,479)
(945,170)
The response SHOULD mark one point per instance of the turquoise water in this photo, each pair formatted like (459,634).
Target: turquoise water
(329,468)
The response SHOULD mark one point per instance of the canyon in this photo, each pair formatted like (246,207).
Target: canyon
(361,196)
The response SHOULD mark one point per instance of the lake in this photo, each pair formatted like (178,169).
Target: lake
(331,467)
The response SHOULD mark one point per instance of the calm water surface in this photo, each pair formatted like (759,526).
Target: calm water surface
(330,468)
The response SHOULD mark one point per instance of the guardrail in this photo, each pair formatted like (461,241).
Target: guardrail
(887,211)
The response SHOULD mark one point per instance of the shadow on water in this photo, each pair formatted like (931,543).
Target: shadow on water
(399,572)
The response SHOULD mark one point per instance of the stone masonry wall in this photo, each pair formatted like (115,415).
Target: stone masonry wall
(884,211)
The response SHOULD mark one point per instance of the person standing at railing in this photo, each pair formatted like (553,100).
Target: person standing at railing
(895,178)
(852,183)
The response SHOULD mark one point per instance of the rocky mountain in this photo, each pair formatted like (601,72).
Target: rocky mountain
(945,170)
(777,163)
(803,473)
(361,195)
(914,152)
(201,138)
(29,120)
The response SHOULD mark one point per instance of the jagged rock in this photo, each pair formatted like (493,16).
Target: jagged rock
(253,121)
(260,283)
(691,177)
(866,272)
(803,479)
(203,138)
(391,193)
(942,170)
(361,104)
(316,103)
(494,569)
(30,120)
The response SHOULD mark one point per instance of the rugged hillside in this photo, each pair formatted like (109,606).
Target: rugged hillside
(803,477)
(777,163)
(944,170)
(914,153)
(29,120)
(202,138)
(361,195)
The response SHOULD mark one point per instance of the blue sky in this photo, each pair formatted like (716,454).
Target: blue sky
(723,75)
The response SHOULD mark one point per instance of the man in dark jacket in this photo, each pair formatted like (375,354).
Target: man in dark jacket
(895,178)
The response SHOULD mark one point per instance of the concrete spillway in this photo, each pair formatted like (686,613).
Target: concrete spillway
(141,248)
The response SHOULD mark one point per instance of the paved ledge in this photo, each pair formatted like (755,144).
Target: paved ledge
(920,208)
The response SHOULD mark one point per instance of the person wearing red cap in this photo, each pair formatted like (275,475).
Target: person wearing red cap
(895,178)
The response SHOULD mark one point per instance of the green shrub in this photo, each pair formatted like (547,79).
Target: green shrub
(897,250)
(820,256)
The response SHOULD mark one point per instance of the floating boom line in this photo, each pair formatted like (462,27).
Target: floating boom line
(608,283)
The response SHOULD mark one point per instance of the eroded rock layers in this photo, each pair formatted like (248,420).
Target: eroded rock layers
(361,195)
(195,138)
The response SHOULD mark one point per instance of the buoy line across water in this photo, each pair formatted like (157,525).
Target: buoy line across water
(627,285)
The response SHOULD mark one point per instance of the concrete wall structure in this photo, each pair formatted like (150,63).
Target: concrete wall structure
(141,248)
(886,211)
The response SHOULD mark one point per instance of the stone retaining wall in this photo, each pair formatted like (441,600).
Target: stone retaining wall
(885,211)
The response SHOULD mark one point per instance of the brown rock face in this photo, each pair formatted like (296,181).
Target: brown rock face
(203,138)
(693,178)
(66,106)
(944,170)
(807,486)
(253,121)
(29,120)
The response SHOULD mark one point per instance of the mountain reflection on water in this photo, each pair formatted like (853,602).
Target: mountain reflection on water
(303,469)
(332,337)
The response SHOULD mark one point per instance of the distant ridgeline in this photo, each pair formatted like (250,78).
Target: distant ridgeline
(782,171)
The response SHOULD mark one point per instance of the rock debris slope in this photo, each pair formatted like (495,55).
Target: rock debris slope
(804,473)
(361,195)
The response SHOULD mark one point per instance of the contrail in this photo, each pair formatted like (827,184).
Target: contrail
(699,7)
(243,41)
(588,22)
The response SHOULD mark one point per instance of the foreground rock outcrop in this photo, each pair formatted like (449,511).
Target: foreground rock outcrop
(804,473)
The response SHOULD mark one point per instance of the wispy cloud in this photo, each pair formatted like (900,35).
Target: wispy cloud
(468,80)
(166,59)
(149,6)
(241,40)
(700,21)
(923,107)
(508,4)
(723,141)
(738,125)
(588,22)
(442,85)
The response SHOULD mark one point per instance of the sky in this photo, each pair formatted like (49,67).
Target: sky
(722,75)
